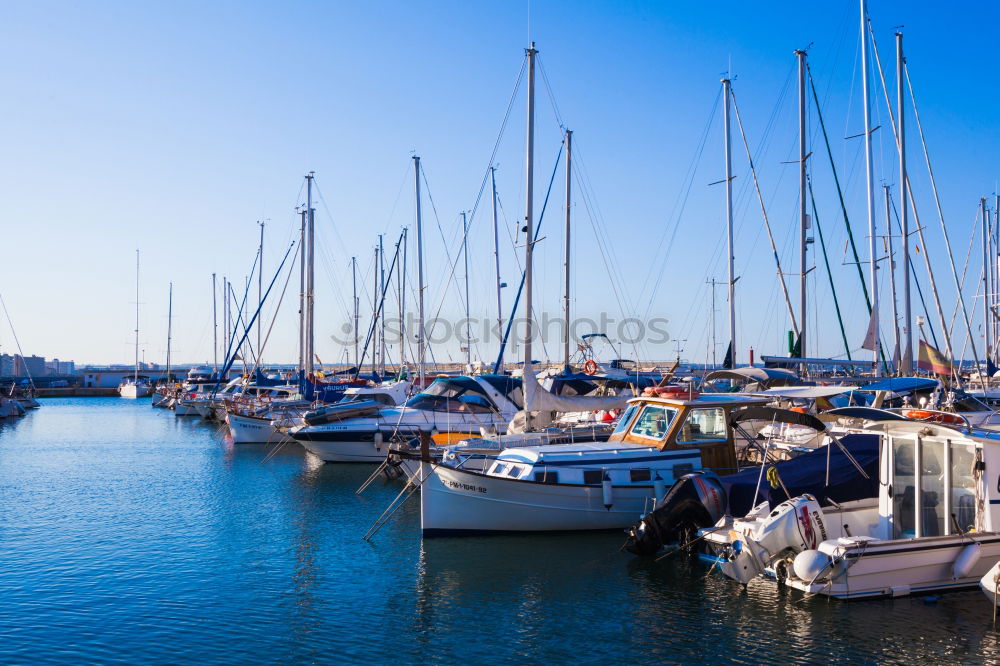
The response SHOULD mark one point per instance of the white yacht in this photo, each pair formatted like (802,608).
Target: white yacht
(450,404)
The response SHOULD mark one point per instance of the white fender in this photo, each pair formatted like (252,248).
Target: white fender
(658,490)
(966,560)
(378,440)
(607,491)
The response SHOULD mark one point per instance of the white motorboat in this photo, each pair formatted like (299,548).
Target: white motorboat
(935,525)
(450,404)
(254,416)
(585,485)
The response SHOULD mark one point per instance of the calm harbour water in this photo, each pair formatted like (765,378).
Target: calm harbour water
(128,534)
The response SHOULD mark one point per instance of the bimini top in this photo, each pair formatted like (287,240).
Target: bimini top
(902,385)
(703,400)
(805,392)
(773,414)
(764,376)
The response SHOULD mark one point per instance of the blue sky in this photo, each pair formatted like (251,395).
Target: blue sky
(174,127)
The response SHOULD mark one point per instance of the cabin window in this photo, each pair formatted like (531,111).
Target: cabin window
(636,475)
(682,469)
(653,422)
(499,469)
(593,477)
(514,471)
(963,486)
(545,476)
(625,419)
(918,471)
(704,425)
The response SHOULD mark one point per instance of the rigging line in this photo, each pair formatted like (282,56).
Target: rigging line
(829,273)
(548,89)
(496,144)
(965,268)
(916,215)
(840,192)
(277,309)
(378,311)
(17,342)
(681,201)
(916,281)
(763,212)
(587,194)
(239,320)
(680,204)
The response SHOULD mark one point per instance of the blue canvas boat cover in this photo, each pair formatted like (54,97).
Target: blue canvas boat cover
(902,385)
(807,474)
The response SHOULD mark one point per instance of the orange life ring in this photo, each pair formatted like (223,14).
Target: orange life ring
(590,367)
(936,417)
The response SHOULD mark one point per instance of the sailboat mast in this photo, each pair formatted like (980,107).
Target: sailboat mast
(529,194)
(868,181)
(496,263)
(310,275)
(569,175)
(896,354)
(421,342)
(215,328)
(904,184)
(375,296)
(468,322)
(170,322)
(354,289)
(803,217)
(726,83)
(381,291)
(986,279)
(260,286)
(135,377)
(402,304)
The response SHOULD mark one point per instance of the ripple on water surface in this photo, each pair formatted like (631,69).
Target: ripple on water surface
(130,534)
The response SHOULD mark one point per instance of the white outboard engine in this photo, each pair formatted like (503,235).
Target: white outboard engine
(760,539)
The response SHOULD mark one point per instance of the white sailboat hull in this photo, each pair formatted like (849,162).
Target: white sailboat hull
(133,391)
(254,430)
(454,501)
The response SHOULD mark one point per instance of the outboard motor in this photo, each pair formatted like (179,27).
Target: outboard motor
(694,501)
(761,539)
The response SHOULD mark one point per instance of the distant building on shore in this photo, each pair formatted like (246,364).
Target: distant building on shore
(57,367)
(25,366)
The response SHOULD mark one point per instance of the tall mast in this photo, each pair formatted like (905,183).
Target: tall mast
(868,180)
(996,261)
(354,289)
(529,195)
(135,378)
(225,317)
(375,297)
(496,263)
(170,321)
(904,184)
(310,275)
(381,291)
(986,279)
(569,175)
(726,83)
(803,217)
(302,294)
(468,322)
(215,329)
(896,355)
(260,286)
(402,305)
(421,342)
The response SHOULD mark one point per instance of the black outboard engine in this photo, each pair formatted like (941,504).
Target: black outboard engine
(695,501)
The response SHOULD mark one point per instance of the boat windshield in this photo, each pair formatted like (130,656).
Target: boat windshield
(653,422)
(625,419)
(455,394)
